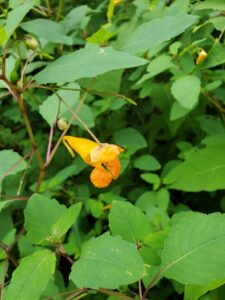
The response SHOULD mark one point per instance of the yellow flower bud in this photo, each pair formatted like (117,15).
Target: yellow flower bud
(201,56)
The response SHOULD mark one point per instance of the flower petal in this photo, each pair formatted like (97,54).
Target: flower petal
(114,168)
(82,146)
(105,153)
(100,177)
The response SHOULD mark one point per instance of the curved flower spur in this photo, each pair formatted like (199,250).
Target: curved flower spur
(102,157)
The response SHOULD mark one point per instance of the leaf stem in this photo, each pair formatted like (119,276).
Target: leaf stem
(3,278)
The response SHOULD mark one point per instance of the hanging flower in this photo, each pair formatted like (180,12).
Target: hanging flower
(103,157)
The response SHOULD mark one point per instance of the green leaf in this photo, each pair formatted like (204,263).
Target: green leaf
(50,107)
(215,57)
(15,17)
(66,220)
(3,35)
(130,138)
(211,4)
(128,221)
(101,36)
(46,220)
(219,23)
(54,34)
(150,34)
(74,17)
(56,181)
(31,277)
(8,159)
(107,262)
(203,170)
(151,178)
(193,291)
(87,63)
(157,66)
(147,162)
(108,82)
(178,111)
(5,204)
(186,90)
(194,250)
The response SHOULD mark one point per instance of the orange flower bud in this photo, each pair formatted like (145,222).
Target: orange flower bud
(201,56)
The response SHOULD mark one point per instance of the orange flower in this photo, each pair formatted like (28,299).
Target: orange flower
(103,157)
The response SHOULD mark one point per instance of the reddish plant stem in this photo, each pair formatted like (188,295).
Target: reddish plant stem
(3,278)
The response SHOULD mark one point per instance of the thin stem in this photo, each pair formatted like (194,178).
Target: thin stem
(9,256)
(49,143)
(48,7)
(79,119)
(24,68)
(40,178)
(60,6)
(81,291)
(3,61)
(3,278)
(65,131)
(140,290)
(24,174)
(29,130)
(116,294)
(152,282)
(19,234)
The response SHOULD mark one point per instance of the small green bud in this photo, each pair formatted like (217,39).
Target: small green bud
(31,42)
(62,124)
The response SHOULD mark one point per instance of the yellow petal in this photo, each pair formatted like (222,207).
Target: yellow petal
(80,145)
(104,153)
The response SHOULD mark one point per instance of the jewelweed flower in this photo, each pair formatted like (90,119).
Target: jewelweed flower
(102,157)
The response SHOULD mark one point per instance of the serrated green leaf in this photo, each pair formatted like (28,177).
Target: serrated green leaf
(194,250)
(150,34)
(107,262)
(87,63)
(203,170)
(186,90)
(128,221)
(31,277)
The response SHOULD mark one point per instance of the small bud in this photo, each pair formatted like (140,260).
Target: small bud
(62,124)
(117,2)
(201,56)
(31,42)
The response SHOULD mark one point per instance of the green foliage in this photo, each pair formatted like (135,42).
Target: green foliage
(107,262)
(30,279)
(144,220)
